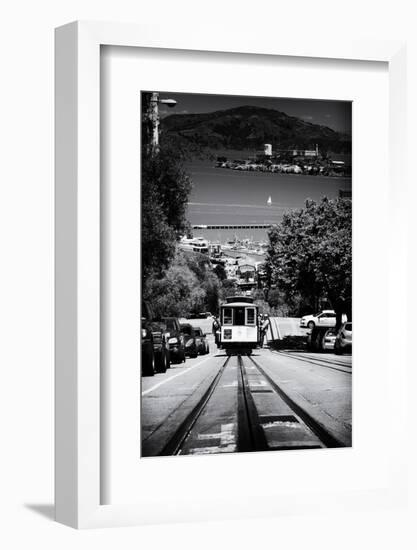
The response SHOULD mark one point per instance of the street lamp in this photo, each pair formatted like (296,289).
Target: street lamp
(170,102)
(152,116)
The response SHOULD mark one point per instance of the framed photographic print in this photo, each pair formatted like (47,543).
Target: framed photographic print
(246,274)
(219,207)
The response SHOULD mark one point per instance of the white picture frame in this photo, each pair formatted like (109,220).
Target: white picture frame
(77,241)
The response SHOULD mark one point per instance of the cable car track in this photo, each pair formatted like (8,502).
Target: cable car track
(323,358)
(319,362)
(325,437)
(251,435)
(261,416)
(174,445)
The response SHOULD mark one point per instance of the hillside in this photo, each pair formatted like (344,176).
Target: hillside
(249,127)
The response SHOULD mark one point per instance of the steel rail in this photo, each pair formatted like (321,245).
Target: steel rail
(317,362)
(324,358)
(316,427)
(251,436)
(173,446)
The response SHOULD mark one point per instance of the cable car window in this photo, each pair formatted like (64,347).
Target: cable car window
(227,316)
(239,316)
(250,316)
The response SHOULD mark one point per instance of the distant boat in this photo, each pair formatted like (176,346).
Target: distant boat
(269,201)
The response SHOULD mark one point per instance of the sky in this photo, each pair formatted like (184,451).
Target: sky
(334,114)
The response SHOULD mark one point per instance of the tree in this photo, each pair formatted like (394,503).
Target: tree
(229,288)
(198,263)
(211,285)
(274,297)
(158,238)
(220,271)
(176,283)
(309,256)
(165,191)
(209,282)
(258,294)
(177,292)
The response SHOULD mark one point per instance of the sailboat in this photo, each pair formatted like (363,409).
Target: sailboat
(269,201)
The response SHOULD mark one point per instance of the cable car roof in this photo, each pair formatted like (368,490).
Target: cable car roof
(239,304)
(245,299)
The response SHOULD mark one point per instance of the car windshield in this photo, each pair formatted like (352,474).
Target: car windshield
(170,324)
(197,331)
(186,329)
(348,327)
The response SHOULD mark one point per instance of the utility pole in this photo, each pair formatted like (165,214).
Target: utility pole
(150,119)
(154,117)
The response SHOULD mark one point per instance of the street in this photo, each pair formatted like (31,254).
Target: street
(270,400)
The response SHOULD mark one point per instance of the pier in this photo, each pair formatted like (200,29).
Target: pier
(228,226)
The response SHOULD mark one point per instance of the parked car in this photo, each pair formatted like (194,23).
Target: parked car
(328,340)
(148,358)
(160,346)
(343,341)
(201,341)
(175,339)
(190,343)
(154,348)
(325,318)
(198,315)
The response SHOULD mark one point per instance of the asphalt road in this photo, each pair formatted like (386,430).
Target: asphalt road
(268,402)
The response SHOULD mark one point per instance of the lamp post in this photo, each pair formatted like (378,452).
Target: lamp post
(151,119)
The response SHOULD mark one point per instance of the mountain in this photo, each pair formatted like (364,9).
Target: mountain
(249,127)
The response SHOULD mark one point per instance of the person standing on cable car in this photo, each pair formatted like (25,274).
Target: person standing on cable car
(215,330)
(264,328)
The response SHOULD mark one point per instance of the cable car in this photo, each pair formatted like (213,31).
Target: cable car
(239,325)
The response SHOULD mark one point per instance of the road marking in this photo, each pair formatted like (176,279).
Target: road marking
(226,436)
(257,384)
(212,450)
(159,384)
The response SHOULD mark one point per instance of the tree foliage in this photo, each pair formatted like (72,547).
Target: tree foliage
(209,282)
(275,297)
(229,288)
(187,286)
(220,271)
(310,254)
(165,191)
(176,292)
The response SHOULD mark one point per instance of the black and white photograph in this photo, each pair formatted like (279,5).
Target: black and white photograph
(246,268)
